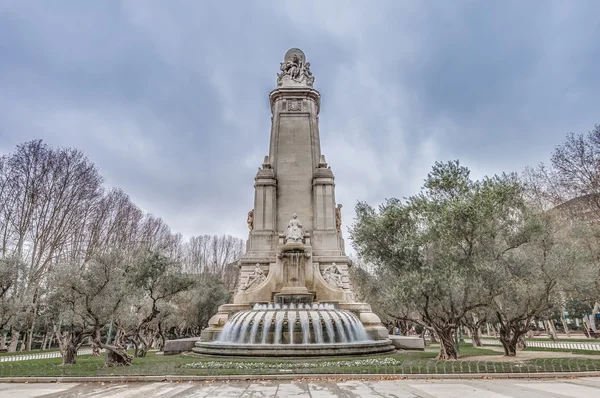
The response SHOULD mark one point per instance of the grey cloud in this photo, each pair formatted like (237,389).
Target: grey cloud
(170,99)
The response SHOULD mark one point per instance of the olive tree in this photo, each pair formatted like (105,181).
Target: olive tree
(437,250)
(532,279)
(84,300)
(153,281)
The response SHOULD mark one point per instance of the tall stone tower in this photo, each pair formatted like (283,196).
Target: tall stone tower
(295,251)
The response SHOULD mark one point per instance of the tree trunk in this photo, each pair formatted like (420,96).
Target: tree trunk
(116,355)
(521,344)
(3,341)
(475,338)
(33,321)
(50,340)
(23,342)
(14,340)
(565,326)
(45,341)
(433,337)
(447,347)
(550,329)
(30,337)
(511,336)
(161,336)
(68,347)
(95,349)
(69,353)
(510,346)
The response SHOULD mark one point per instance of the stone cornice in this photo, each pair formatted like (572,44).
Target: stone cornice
(295,92)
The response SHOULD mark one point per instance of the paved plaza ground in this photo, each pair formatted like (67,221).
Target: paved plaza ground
(576,387)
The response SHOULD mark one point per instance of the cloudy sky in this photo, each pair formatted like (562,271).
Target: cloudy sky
(170,98)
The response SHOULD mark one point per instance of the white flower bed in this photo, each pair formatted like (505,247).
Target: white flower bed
(292,365)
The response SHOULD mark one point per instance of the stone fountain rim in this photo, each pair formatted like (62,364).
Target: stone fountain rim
(294,350)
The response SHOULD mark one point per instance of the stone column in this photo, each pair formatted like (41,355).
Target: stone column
(326,240)
(294,152)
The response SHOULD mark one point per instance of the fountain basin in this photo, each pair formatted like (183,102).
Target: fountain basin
(297,330)
(298,324)
(294,350)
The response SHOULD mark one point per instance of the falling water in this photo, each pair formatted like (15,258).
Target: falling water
(291,323)
(255,324)
(267,325)
(328,323)
(339,326)
(305,326)
(229,326)
(241,329)
(348,326)
(279,316)
(359,330)
(328,327)
(317,327)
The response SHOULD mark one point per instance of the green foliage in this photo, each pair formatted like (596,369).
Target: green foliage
(158,276)
(200,303)
(438,252)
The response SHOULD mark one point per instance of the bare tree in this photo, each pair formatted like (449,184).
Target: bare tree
(211,253)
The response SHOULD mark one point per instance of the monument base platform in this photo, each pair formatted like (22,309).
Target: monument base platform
(407,342)
(178,346)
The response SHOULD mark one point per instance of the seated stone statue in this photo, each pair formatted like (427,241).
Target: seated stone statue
(256,276)
(294,231)
(333,275)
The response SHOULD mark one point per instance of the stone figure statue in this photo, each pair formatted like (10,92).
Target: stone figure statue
(310,79)
(250,220)
(333,275)
(338,218)
(296,68)
(294,232)
(256,276)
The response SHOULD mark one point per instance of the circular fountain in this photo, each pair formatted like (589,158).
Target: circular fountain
(293,330)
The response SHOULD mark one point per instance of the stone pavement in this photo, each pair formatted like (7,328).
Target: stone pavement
(577,388)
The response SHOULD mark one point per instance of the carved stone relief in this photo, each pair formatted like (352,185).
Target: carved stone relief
(333,275)
(294,105)
(257,276)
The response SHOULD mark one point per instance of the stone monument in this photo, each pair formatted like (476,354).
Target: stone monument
(294,284)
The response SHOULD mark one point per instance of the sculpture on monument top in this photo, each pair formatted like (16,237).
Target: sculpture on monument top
(293,232)
(295,68)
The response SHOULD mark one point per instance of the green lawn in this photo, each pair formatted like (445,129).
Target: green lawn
(403,363)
